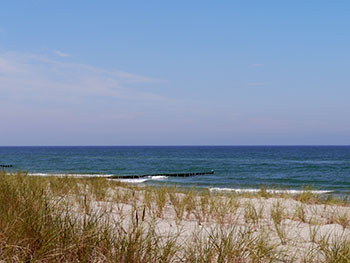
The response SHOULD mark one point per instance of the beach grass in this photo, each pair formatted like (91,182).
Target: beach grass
(51,219)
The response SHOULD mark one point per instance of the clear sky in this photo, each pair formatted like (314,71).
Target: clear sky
(174,72)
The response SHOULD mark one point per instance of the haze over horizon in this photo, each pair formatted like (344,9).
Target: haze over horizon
(174,73)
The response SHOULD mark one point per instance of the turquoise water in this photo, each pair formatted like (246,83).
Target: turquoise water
(239,167)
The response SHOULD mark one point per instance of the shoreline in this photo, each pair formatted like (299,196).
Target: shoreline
(139,181)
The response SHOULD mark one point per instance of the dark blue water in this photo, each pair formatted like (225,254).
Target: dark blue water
(291,167)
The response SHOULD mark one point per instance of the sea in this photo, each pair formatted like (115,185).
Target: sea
(324,169)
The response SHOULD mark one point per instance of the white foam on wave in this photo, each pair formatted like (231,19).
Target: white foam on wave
(132,181)
(271,191)
(70,175)
(158,177)
(142,180)
(136,180)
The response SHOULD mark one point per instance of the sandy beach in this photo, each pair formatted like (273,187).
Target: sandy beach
(293,227)
(50,219)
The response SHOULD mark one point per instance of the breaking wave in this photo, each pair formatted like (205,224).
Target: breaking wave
(272,191)
(142,180)
(70,175)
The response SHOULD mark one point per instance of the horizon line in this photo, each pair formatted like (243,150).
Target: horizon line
(189,145)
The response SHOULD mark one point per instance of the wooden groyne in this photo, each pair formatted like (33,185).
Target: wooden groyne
(164,174)
(6,165)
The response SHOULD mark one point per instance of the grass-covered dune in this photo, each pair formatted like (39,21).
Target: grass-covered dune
(50,219)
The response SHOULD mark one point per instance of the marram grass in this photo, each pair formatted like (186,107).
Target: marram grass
(49,219)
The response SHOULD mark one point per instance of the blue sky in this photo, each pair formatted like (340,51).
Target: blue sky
(174,72)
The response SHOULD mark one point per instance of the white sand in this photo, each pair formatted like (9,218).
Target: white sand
(302,225)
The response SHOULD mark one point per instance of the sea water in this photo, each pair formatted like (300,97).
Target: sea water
(242,168)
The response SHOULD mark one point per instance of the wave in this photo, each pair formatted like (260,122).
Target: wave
(131,181)
(271,191)
(134,181)
(163,177)
(70,175)
(142,180)
(158,177)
